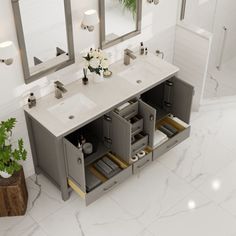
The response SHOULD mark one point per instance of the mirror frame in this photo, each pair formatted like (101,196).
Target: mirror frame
(183,10)
(22,46)
(103,43)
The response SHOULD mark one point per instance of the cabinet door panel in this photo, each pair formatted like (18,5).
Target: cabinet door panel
(75,164)
(149,115)
(182,100)
(121,136)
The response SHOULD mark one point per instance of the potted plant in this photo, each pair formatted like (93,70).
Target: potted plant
(10,155)
(130,5)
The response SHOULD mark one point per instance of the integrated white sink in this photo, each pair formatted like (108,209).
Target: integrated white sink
(140,73)
(71,107)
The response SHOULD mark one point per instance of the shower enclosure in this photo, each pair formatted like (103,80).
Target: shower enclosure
(217,17)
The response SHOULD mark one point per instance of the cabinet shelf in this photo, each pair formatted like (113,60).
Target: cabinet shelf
(100,151)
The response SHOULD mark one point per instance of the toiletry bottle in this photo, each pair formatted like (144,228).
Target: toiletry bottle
(79,145)
(82,140)
(146,51)
(141,50)
(32,100)
(29,103)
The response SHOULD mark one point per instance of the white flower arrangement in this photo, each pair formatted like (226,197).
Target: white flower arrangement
(96,61)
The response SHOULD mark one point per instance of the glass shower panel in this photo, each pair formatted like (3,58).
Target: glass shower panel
(200,13)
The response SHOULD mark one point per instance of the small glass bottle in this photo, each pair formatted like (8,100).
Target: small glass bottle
(141,50)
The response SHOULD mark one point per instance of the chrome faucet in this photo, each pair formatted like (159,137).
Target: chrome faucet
(127,55)
(59,89)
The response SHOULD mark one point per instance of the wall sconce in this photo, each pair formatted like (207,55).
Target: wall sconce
(156,2)
(90,20)
(7,52)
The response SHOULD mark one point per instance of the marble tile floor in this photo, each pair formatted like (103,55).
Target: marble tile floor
(221,83)
(191,190)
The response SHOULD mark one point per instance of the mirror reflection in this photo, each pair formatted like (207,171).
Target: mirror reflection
(120,20)
(44,29)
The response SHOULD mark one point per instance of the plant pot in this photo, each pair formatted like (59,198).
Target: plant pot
(5,175)
(15,195)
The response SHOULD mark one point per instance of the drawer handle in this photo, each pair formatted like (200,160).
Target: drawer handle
(110,187)
(143,144)
(79,161)
(173,144)
(141,166)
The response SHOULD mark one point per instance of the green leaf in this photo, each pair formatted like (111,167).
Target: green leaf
(130,5)
(10,157)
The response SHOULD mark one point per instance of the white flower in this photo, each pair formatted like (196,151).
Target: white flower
(95,54)
(94,62)
(104,63)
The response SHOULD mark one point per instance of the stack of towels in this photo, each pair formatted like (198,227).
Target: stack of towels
(159,138)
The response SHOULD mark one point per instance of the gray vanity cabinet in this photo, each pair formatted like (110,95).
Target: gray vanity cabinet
(171,99)
(118,135)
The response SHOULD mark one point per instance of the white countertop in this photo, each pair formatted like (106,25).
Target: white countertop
(106,95)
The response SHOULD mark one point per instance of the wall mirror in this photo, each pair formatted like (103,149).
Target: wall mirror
(45,36)
(119,20)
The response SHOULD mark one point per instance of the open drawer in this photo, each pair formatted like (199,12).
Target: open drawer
(106,184)
(128,110)
(143,162)
(183,132)
(140,141)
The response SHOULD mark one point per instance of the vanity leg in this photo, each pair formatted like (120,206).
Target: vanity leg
(32,142)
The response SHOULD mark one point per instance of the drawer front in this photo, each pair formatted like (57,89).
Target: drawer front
(139,145)
(137,127)
(139,165)
(108,185)
(171,143)
(129,111)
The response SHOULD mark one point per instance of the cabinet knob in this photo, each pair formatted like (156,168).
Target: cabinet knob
(151,117)
(79,161)
(107,118)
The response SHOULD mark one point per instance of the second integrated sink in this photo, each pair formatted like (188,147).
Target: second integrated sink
(140,73)
(71,107)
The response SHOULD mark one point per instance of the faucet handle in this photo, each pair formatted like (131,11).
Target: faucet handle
(128,51)
(58,83)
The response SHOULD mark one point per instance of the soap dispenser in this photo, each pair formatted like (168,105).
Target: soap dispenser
(141,50)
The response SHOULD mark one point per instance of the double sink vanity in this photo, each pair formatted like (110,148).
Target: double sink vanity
(119,117)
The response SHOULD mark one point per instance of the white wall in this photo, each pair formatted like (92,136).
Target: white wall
(158,31)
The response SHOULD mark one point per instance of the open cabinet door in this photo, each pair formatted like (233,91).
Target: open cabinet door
(182,100)
(149,116)
(121,137)
(75,164)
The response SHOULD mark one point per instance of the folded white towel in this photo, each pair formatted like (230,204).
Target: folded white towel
(159,138)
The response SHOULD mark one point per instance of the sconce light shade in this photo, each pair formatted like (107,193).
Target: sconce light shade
(7,52)
(90,20)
